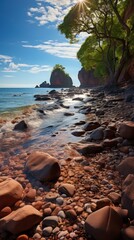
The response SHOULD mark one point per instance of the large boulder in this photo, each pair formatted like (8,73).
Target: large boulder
(10,192)
(126,130)
(43,166)
(20,220)
(104,224)
(59,79)
(87,78)
(126,166)
(127,199)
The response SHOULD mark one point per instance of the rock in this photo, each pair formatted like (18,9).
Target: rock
(128,233)
(109,134)
(21,126)
(51,221)
(59,79)
(87,78)
(71,215)
(85,110)
(115,197)
(5,211)
(89,126)
(67,189)
(43,166)
(97,134)
(47,212)
(104,224)
(10,192)
(20,220)
(127,199)
(51,197)
(102,203)
(67,114)
(78,133)
(59,200)
(99,112)
(123,213)
(42,98)
(86,149)
(36,236)
(31,194)
(126,130)
(61,214)
(126,166)
(22,237)
(47,231)
(109,143)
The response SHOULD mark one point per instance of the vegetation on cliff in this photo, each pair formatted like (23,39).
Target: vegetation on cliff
(109,47)
(58,79)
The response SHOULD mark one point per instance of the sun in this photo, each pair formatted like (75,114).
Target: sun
(81,1)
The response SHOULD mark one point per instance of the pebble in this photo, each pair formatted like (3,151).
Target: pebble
(47,231)
(62,234)
(50,221)
(59,200)
(47,212)
(22,237)
(36,236)
(61,214)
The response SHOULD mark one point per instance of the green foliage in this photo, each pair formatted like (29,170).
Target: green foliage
(109,24)
(59,67)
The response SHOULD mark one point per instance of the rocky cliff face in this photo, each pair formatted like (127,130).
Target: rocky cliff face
(87,78)
(59,79)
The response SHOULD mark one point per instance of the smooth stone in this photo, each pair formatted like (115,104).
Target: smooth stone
(20,220)
(22,237)
(47,231)
(50,221)
(67,189)
(115,197)
(126,130)
(21,126)
(128,233)
(10,192)
(59,200)
(43,166)
(104,224)
(127,199)
(126,166)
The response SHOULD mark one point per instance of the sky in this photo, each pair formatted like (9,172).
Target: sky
(31,45)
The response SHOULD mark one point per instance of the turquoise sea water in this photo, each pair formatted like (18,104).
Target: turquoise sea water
(13,98)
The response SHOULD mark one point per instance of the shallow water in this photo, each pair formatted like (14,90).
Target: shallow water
(13,98)
(49,132)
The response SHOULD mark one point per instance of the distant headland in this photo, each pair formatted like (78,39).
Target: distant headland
(60,79)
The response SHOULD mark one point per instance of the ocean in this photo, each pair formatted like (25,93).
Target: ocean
(11,99)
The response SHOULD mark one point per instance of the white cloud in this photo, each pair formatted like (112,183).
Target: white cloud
(9,66)
(43,68)
(5,59)
(62,50)
(15,67)
(50,11)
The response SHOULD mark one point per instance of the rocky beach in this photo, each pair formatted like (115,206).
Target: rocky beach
(67,167)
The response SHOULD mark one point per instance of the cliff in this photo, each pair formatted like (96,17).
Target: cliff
(59,79)
(87,78)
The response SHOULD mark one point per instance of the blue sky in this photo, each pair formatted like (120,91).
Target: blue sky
(30,44)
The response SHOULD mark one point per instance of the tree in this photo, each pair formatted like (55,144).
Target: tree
(110,27)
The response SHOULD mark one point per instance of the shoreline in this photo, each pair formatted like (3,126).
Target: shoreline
(61,132)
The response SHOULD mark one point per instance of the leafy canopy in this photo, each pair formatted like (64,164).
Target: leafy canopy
(110,28)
